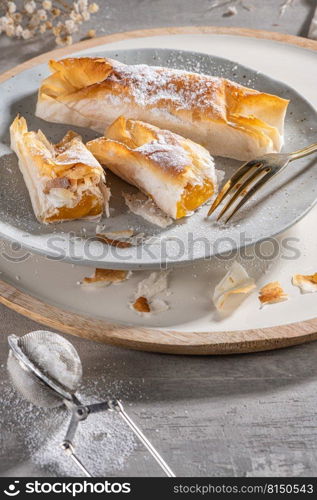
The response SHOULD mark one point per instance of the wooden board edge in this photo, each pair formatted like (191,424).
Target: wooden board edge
(177,30)
(156,340)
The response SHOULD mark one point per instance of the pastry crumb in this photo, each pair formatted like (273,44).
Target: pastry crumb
(141,205)
(146,300)
(142,305)
(272,293)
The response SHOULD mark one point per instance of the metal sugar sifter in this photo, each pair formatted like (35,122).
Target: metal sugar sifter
(46,369)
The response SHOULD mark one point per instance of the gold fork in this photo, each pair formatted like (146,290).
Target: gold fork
(260,169)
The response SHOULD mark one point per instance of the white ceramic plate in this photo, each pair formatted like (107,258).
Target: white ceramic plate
(282,203)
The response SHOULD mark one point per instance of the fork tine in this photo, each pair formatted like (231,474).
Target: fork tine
(229,185)
(243,186)
(252,191)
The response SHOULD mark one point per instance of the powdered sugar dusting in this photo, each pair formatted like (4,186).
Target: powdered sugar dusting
(103,442)
(145,207)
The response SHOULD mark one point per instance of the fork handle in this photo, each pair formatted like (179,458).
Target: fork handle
(303,152)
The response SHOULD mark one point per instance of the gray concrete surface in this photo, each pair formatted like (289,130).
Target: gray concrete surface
(242,415)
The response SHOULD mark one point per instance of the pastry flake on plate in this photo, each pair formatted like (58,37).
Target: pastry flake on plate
(272,293)
(306,283)
(227,118)
(178,174)
(64,180)
(105,277)
(122,239)
(233,288)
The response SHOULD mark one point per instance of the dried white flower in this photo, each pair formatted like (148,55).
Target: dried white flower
(38,16)
(6,21)
(3,22)
(76,17)
(56,12)
(59,40)
(68,40)
(17,17)
(35,20)
(30,6)
(57,30)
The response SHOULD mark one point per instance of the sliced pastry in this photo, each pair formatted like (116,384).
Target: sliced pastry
(176,173)
(234,287)
(227,118)
(64,180)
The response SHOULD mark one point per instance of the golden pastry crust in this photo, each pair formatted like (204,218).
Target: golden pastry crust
(176,173)
(227,118)
(64,180)
(272,293)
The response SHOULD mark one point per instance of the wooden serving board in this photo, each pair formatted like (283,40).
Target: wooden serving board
(168,339)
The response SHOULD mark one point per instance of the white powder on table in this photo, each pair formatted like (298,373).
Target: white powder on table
(103,442)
